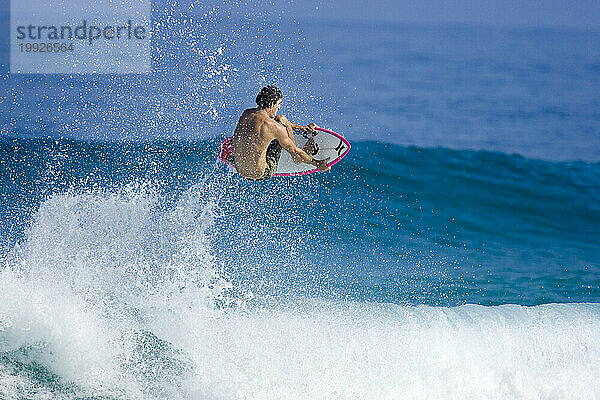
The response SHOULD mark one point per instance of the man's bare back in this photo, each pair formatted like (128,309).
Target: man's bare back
(256,132)
(250,142)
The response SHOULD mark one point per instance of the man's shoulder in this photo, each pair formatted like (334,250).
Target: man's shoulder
(262,119)
(252,111)
(253,114)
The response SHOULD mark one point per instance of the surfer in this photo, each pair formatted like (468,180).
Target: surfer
(261,134)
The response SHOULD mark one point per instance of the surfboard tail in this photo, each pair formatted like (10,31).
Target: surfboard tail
(226,153)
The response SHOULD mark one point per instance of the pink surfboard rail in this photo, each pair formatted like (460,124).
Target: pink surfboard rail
(226,154)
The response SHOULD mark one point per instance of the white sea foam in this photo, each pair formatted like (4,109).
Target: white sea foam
(111,296)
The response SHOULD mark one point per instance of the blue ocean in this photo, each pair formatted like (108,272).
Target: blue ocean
(454,253)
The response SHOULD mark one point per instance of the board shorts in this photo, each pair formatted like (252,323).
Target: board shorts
(272,158)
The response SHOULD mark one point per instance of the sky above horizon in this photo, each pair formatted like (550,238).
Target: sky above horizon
(560,13)
(576,13)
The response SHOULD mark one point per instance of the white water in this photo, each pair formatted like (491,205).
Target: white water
(117,298)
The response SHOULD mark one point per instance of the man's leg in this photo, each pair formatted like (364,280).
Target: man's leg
(272,158)
(310,147)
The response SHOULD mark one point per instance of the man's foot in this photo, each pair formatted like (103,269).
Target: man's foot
(311,147)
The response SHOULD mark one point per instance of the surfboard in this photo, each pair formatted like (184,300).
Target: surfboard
(327,144)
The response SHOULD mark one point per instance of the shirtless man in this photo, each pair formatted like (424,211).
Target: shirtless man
(260,135)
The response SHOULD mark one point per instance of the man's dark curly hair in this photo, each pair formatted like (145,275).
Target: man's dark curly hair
(268,96)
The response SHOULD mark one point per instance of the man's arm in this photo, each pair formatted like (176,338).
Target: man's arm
(298,155)
(288,128)
(287,123)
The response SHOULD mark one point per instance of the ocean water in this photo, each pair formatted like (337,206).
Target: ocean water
(452,254)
